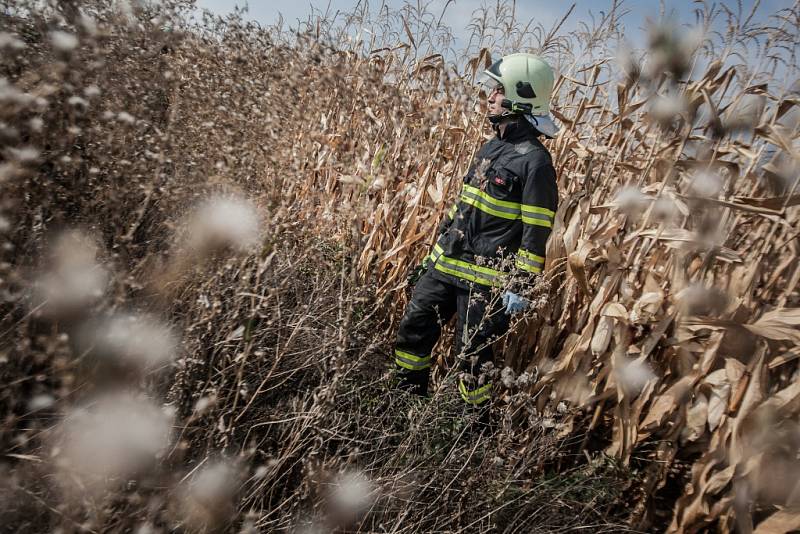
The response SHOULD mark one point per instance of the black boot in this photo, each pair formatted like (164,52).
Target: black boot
(415,382)
(481,421)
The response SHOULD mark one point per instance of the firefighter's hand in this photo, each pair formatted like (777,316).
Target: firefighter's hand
(514,303)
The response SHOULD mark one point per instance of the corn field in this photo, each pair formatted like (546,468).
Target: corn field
(206,226)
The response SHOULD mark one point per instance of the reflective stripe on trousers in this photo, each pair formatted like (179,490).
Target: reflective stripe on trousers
(475,396)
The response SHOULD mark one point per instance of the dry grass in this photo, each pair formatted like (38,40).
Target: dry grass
(260,194)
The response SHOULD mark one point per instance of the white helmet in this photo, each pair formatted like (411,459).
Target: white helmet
(527,81)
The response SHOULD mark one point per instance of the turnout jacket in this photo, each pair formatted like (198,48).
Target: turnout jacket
(503,216)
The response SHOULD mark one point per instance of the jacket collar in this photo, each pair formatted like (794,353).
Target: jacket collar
(517,130)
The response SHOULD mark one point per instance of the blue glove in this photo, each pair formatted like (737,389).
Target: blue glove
(514,303)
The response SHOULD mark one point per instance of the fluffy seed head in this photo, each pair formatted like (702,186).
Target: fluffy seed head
(224,223)
(126,345)
(204,403)
(632,375)
(72,281)
(76,101)
(23,155)
(36,124)
(706,184)
(206,501)
(11,95)
(667,108)
(628,63)
(744,114)
(88,24)
(10,41)
(774,438)
(698,299)
(63,41)
(671,49)
(127,118)
(66,292)
(91,91)
(213,483)
(40,402)
(110,440)
(631,201)
(352,493)
(665,209)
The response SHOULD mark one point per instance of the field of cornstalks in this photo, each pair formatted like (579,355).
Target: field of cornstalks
(205,230)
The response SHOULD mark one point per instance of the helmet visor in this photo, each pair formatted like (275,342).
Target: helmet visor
(495,68)
(486,85)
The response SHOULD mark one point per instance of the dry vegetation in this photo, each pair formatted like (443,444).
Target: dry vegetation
(205,229)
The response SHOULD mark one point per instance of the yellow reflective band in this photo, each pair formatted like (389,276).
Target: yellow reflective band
(536,209)
(410,361)
(477,396)
(537,216)
(437,251)
(490,199)
(530,255)
(526,267)
(472,196)
(465,270)
(486,209)
(452,213)
(537,222)
(469,271)
(465,276)
(528,261)
(492,273)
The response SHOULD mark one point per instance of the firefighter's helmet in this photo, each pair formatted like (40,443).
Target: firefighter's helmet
(527,82)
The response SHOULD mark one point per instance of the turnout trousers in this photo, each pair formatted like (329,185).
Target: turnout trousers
(481,319)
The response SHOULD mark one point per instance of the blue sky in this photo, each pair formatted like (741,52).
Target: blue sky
(460,11)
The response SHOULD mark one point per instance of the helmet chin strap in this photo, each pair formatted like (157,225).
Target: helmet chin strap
(511,108)
(497,119)
(507,106)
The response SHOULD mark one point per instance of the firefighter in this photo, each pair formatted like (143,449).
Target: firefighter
(491,244)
